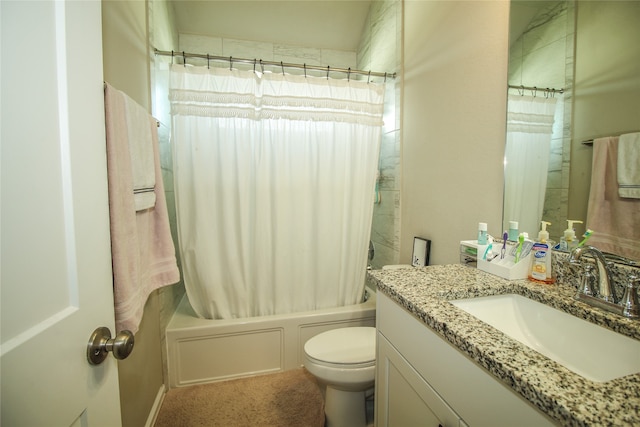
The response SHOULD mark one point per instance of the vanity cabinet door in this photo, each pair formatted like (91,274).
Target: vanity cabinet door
(440,377)
(404,398)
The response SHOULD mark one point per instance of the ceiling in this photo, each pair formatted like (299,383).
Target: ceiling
(328,24)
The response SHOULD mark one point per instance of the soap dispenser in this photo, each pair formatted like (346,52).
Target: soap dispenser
(543,235)
(541,267)
(568,241)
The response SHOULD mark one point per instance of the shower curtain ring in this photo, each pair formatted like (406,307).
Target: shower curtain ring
(184,59)
(369,77)
(349,74)
(282,66)
(521,90)
(385,77)
(231,63)
(261,66)
(171,57)
(254,65)
(208,64)
(535,91)
(305,70)
(327,72)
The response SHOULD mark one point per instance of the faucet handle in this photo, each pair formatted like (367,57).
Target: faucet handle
(630,306)
(589,280)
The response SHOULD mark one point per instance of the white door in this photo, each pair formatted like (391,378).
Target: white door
(56,261)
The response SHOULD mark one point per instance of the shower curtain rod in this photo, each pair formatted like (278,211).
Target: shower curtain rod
(535,89)
(283,65)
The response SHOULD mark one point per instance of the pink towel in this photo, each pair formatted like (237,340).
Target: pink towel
(615,221)
(142,250)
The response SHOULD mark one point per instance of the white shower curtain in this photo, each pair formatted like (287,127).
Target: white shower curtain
(529,129)
(274,182)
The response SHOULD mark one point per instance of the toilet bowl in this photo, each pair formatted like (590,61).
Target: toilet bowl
(345,361)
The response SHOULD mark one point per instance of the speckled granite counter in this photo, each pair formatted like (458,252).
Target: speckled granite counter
(567,397)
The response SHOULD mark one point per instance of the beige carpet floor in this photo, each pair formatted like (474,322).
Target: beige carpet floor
(284,399)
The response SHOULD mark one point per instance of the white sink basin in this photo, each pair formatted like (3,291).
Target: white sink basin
(589,350)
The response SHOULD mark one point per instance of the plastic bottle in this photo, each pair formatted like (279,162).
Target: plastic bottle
(568,241)
(541,268)
(482,233)
(513,231)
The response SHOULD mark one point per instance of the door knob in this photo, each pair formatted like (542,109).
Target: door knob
(101,343)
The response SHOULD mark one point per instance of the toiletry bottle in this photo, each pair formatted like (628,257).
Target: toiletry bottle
(541,267)
(568,241)
(482,233)
(513,231)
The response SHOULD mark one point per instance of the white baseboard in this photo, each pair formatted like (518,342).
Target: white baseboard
(155,409)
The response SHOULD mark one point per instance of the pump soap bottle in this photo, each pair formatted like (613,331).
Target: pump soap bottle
(568,241)
(513,231)
(541,267)
(482,233)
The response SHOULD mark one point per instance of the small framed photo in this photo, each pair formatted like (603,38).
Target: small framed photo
(421,250)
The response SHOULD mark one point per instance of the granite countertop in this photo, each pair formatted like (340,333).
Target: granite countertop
(565,396)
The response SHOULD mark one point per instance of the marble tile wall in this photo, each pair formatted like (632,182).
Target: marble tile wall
(380,50)
(543,57)
(265,51)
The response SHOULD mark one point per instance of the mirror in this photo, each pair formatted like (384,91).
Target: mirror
(541,56)
(589,49)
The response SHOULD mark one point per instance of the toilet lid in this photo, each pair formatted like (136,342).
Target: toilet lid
(354,345)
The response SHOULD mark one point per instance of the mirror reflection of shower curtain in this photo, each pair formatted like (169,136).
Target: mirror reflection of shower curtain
(529,130)
(274,179)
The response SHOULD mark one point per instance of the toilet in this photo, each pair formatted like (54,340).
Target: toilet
(344,360)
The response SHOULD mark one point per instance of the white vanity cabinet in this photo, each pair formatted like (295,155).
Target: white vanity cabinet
(422,380)
(403,397)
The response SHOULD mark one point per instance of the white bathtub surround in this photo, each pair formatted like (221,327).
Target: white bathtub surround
(203,350)
(274,180)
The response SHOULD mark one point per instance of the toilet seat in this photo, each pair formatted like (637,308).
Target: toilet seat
(353,347)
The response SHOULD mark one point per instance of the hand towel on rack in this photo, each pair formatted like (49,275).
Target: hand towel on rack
(141,152)
(613,219)
(143,254)
(629,165)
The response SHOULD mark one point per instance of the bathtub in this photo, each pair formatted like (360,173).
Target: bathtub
(202,350)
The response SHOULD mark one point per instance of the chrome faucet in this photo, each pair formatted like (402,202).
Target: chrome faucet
(605,290)
(602,293)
